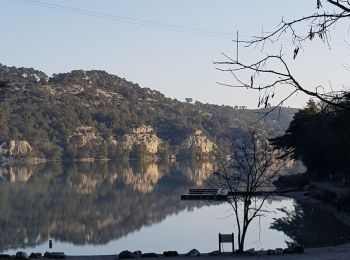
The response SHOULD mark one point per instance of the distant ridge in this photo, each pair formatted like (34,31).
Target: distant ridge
(90,114)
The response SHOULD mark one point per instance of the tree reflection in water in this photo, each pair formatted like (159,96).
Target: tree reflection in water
(95,203)
(311,227)
(89,203)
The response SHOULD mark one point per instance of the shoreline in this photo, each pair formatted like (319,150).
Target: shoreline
(340,252)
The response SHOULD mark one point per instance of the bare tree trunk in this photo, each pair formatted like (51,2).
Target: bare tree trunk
(246,171)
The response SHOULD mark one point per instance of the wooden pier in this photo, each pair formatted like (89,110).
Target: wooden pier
(205,194)
(223,194)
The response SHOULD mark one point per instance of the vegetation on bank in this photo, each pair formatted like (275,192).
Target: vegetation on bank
(86,114)
(319,136)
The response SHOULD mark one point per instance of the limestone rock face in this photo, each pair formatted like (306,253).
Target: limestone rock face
(85,135)
(143,135)
(15,148)
(199,141)
(111,140)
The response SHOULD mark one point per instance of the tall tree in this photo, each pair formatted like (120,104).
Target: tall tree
(247,175)
(319,137)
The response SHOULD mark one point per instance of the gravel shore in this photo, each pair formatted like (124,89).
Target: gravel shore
(341,252)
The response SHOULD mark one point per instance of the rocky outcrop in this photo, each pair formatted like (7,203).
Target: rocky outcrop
(200,142)
(143,135)
(85,135)
(15,148)
(111,140)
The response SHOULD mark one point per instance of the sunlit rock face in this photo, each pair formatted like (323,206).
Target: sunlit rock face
(85,135)
(111,140)
(143,135)
(199,141)
(15,148)
(144,181)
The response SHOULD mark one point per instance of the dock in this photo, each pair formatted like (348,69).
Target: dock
(205,194)
(221,194)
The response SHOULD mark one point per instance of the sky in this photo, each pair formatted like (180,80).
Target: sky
(166,45)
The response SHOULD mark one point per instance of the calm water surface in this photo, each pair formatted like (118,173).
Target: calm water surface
(104,208)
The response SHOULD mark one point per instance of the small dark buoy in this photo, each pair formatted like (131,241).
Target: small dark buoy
(50,243)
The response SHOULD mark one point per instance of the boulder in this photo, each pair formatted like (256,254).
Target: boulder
(271,252)
(170,253)
(21,255)
(125,254)
(150,255)
(278,251)
(36,255)
(193,252)
(214,253)
(55,255)
(137,253)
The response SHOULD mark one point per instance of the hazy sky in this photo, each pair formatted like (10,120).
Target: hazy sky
(142,49)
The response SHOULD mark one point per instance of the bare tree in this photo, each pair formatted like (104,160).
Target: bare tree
(272,71)
(247,173)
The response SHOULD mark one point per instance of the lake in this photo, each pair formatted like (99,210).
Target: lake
(107,207)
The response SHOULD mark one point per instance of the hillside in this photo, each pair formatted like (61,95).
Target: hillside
(93,114)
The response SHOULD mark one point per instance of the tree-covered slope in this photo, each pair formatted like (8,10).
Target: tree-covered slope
(88,113)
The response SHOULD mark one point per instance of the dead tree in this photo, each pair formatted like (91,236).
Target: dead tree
(247,172)
(272,71)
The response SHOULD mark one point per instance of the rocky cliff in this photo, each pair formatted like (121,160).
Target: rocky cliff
(200,142)
(96,115)
(15,148)
(143,135)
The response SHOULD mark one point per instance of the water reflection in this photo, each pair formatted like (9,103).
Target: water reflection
(311,227)
(89,202)
(100,203)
